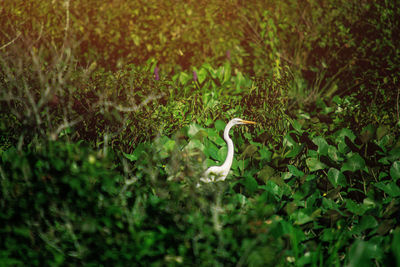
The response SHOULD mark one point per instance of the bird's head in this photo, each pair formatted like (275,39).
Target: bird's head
(240,121)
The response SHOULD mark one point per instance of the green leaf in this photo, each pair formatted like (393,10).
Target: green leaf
(355,208)
(300,217)
(265,154)
(222,152)
(202,75)
(167,148)
(354,163)
(328,234)
(396,245)
(345,132)
(197,144)
(213,136)
(240,80)
(310,177)
(390,188)
(293,151)
(296,172)
(329,204)
(266,173)
(382,131)
(274,189)
(334,154)
(368,222)
(227,72)
(367,133)
(184,78)
(362,252)
(193,129)
(136,153)
(250,184)
(395,170)
(296,125)
(220,125)
(314,164)
(322,145)
(336,178)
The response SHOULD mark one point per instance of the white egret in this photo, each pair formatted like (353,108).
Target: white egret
(219,173)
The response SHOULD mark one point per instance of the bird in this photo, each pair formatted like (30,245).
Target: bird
(219,173)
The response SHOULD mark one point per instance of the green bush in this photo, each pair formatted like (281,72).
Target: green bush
(59,203)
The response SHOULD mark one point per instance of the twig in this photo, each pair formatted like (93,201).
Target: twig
(63,126)
(12,41)
(134,107)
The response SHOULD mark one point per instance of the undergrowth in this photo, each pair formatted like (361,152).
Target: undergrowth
(110,113)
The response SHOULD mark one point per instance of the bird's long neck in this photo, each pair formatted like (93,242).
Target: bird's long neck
(229,157)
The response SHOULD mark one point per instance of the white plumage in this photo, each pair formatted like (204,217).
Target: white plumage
(219,173)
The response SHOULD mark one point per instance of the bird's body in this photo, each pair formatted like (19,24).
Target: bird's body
(219,173)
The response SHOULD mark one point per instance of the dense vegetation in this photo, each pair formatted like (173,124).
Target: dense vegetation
(110,112)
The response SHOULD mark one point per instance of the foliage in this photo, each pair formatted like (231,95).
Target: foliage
(111,112)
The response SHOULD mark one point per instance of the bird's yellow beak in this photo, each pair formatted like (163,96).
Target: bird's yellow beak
(248,122)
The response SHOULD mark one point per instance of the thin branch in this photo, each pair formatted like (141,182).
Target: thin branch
(12,41)
(130,109)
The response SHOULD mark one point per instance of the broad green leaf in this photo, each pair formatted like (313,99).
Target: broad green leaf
(167,148)
(194,129)
(329,204)
(286,175)
(265,154)
(293,151)
(273,188)
(222,152)
(367,133)
(136,153)
(354,163)
(184,78)
(314,164)
(296,172)
(396,244)
(382,175)
(220,125)
(293,148)
(395,170)
(300,217)
(334,154)
(249,151)
(250,184)
(214,136)
(227,72)
(240,80)
(296,125)
(322,145)
(197,144)
(392,156)
(368,222)
(390,188)
(361,253)
(355,208)
(382,131)
(328,234)
(296,234)
(266,173)
(342,147)
(202,75)
(345,132)
(336,177)
(310,177)
(243,164)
